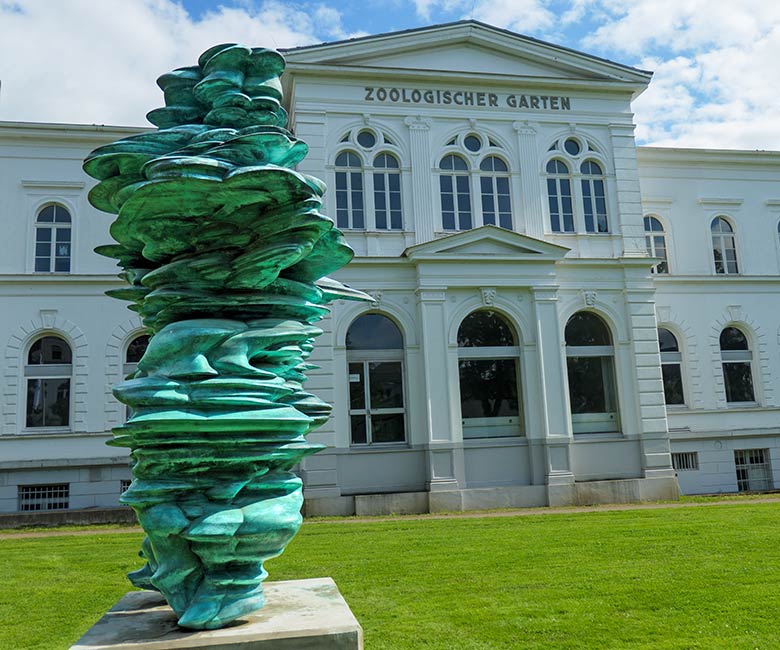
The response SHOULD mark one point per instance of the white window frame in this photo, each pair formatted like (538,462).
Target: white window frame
(650,246)
(718,241)
(34,371)
(54,228)
(761,471)
(739,356)
(349,173)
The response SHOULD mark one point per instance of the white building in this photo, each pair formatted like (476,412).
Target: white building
(525,258)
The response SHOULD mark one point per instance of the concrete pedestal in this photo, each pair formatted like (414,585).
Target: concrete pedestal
(298,615)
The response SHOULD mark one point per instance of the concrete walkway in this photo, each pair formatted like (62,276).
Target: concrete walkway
(518,512)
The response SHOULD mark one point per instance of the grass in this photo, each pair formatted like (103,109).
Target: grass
(682,578)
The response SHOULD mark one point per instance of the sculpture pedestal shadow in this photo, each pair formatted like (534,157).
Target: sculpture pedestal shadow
(298,615)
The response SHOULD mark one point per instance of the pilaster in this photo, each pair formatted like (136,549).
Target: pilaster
(445,449)
(556,432)
(422,194)
(529,178)
(627,191)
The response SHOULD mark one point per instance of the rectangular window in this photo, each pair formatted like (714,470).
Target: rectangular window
(685,461)
(753,471)
(376,402)
(43,497)
(738,380)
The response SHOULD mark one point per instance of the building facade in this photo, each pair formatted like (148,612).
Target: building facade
(559,315)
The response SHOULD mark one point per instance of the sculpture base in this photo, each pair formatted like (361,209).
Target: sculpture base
(298,615)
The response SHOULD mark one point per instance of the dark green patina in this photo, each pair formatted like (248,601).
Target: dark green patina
(226,256)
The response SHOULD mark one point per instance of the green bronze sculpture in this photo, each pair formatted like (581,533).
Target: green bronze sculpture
(226,256)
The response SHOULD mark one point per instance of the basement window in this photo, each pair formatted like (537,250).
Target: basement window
(55,496)
(685,461)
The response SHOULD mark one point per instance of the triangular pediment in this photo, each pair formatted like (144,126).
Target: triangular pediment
(468,48)
(487,243)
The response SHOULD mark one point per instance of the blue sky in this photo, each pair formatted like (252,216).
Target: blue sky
(89,61)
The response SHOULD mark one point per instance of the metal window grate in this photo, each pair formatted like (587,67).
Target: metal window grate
(753,471)
(684,461)
(124,484)
(44,497)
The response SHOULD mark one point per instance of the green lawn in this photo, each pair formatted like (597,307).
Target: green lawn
(698,577)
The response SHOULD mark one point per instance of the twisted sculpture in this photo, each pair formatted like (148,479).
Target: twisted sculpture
(225,252)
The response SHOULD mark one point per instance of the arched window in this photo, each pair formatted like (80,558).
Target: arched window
(559,196)
(52,240)
(455,194)
(135,350)
(375,352)
(655,242)
(724,247)
(594,200)
(671,367)
(387,192)
(350,209)
(48,373)
(488,356)
(590,361)
(494,187)
(737,361)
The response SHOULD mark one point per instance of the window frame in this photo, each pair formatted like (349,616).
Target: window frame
(129,367)
(672,358)
(738,357)
(722,237)
(387,192)
(35,371)
(587,153)
(510,426)
(474,174)
(765,465)
(365,357)
(596,423)
(650,243)
(54,227)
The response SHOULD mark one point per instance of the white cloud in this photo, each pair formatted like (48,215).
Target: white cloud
(95,62)
(523,16)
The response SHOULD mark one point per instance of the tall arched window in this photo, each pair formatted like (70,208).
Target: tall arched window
(375,353)
(350,208)
(48,373)
(590,360)
(494,187)
(594,199)
(737,362)
(387,192)
(52,240)
(655,242)
(455,194)
(135,350)
(559,196)
(488,356)
(724,246)
(671,367)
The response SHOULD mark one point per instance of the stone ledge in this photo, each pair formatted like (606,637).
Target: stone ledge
(298,615)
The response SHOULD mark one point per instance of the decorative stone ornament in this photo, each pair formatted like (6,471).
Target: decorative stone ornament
(226,256)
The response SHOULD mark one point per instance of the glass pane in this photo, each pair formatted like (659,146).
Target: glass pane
(357,392)
(374,332)
(572,146)
(34,402)
(46,215)
(488,388)
(386,385)
(366,139)
(63,235)
(472,143)
(591,384)
(136,349)
(56,394)
(49,349)
(733,339)
(62,264)
(388,427)
(43,234)
(42,264)
(585,328)
(739,382)
(358,427)
(667,341)
(673,386)
(485,328)
(42,249)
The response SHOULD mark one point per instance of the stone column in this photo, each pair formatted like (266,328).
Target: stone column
(530,199)
(557,431)
(445,449)
(422,179)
